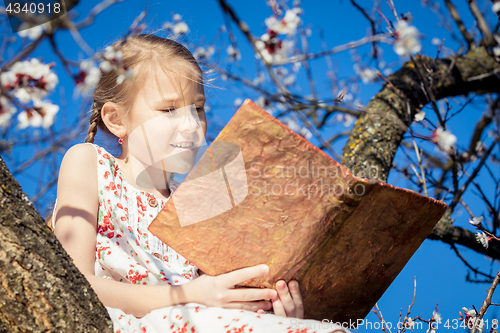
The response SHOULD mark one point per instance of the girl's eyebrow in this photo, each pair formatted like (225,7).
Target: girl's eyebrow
(199,98)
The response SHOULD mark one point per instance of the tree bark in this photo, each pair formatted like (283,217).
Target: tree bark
(377,134)
(40,288)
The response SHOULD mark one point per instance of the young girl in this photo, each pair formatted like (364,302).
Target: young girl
(105,205)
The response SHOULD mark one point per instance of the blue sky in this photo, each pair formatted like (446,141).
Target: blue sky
(440,273)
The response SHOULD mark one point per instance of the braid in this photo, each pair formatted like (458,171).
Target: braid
(94,121)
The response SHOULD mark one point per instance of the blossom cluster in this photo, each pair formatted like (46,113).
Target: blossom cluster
(89,74)
(29,81)
(407,39)
(270,47)
(481,236)
(469,317)
(445,140)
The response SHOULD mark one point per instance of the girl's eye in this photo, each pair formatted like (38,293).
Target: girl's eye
(200,108)
(169,109)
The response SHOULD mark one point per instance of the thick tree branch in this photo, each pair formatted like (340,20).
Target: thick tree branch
(378,132)
(40,287)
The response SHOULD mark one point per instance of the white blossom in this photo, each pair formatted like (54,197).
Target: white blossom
(480,148)
(48,111)
(420,116)
(346,118)
(496,49)
(436,316)
(30,80)
(203,53)
(444,139)
(410,324)
(306,133)
(180,28)
(272,49)
(496,7)
(127,74)
(32,33)
(480,326)
(476,220)
(6,111)
(482,238)
(259,79)
(292,124)
(88,77)
(289,80)
(286,25)
(409,17)
(111,54)
(106,66)
(468,312)
(265,104)
(238,102)
(367,74)
(436,41)
(406,39)
(41,115)
(233,53)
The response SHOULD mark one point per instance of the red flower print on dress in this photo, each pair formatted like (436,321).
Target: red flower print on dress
(119,205)
(106,156)
(106,174)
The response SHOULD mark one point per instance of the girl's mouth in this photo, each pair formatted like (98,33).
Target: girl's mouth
(187,145)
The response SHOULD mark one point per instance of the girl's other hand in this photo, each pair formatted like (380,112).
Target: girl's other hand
(288,302)
(219,290)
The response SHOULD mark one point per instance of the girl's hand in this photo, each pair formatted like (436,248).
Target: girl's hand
(288,303)
(219,290)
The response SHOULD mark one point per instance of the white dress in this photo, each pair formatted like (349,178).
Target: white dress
(127,252)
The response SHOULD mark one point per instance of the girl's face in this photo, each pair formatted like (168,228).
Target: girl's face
(166,125)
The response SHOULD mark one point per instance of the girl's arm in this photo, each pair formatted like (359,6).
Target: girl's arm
(76,230)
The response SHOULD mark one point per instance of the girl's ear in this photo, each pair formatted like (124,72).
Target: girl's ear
(112,115)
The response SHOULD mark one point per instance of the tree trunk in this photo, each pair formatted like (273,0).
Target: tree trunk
(377,134)
(40,287)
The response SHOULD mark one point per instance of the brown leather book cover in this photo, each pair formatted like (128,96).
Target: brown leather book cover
(261,193)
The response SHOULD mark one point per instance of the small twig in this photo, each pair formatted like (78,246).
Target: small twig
(458,20)
(469,266)
(483,26)
(486,303)
(381,318)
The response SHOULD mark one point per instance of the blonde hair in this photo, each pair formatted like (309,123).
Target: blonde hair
(144,54)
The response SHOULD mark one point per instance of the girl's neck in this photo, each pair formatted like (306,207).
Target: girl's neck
(152,180)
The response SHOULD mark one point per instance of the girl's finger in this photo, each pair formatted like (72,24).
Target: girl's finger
(244,274)
(297,298)
(286,298)
(250,294)
(278,308)
(249,306)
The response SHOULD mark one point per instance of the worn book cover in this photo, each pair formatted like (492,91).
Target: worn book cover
(261,193)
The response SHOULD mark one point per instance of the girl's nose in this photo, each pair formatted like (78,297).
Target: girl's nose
(189,121)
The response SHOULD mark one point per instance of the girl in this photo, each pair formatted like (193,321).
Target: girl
(106,204)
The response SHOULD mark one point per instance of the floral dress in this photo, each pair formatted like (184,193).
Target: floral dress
(127,252)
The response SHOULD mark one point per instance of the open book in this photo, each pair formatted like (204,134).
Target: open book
(263,194)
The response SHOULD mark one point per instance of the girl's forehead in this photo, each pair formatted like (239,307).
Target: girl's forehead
(171,86)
